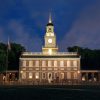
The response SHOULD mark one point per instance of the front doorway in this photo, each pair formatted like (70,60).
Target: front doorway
(49,77)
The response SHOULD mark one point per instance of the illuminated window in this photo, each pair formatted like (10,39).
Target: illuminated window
(68,63)
(24,63)
(23,75)
(83,78)
(49,63)
(55,63)
(43,63)
(30,75)
(30,64)
(36,75)
(75,63)
(43,75)
(61,63)
(37,63)
(68,75)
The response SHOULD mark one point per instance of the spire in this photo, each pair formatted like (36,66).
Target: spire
(9,46)
(50,19)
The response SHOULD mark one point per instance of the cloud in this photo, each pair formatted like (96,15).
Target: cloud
(22,34)
(3,35)
(85,31)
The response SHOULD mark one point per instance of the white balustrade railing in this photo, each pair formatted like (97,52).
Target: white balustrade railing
(58,53)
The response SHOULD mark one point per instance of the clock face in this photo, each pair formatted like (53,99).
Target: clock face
(50,40)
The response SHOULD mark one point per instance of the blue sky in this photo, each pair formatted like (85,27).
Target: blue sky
(77,22)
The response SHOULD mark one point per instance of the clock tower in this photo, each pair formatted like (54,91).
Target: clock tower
(50,46)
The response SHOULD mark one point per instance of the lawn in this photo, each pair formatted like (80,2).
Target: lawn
(49,92)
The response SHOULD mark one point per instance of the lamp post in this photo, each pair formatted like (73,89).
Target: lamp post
(6,63)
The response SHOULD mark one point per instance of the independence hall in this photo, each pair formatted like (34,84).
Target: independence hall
(52,66)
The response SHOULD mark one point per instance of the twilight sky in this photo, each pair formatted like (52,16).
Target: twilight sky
(77,22)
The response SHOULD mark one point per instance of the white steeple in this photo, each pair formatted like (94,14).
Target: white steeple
(50,39)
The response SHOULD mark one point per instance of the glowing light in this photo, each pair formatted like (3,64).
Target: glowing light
(30,77)
(78,72)
(50,51)
(83,78)
(21,71)
(37,77)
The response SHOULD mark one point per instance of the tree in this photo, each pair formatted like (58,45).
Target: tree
(2,57)
(89,58)
(13,56)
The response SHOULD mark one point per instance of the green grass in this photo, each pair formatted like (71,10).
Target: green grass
(49,92)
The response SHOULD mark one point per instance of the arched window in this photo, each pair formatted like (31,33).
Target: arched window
(24,75)
(55,75)
(43,75)
(30,75)
(62,75)
(37,75)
